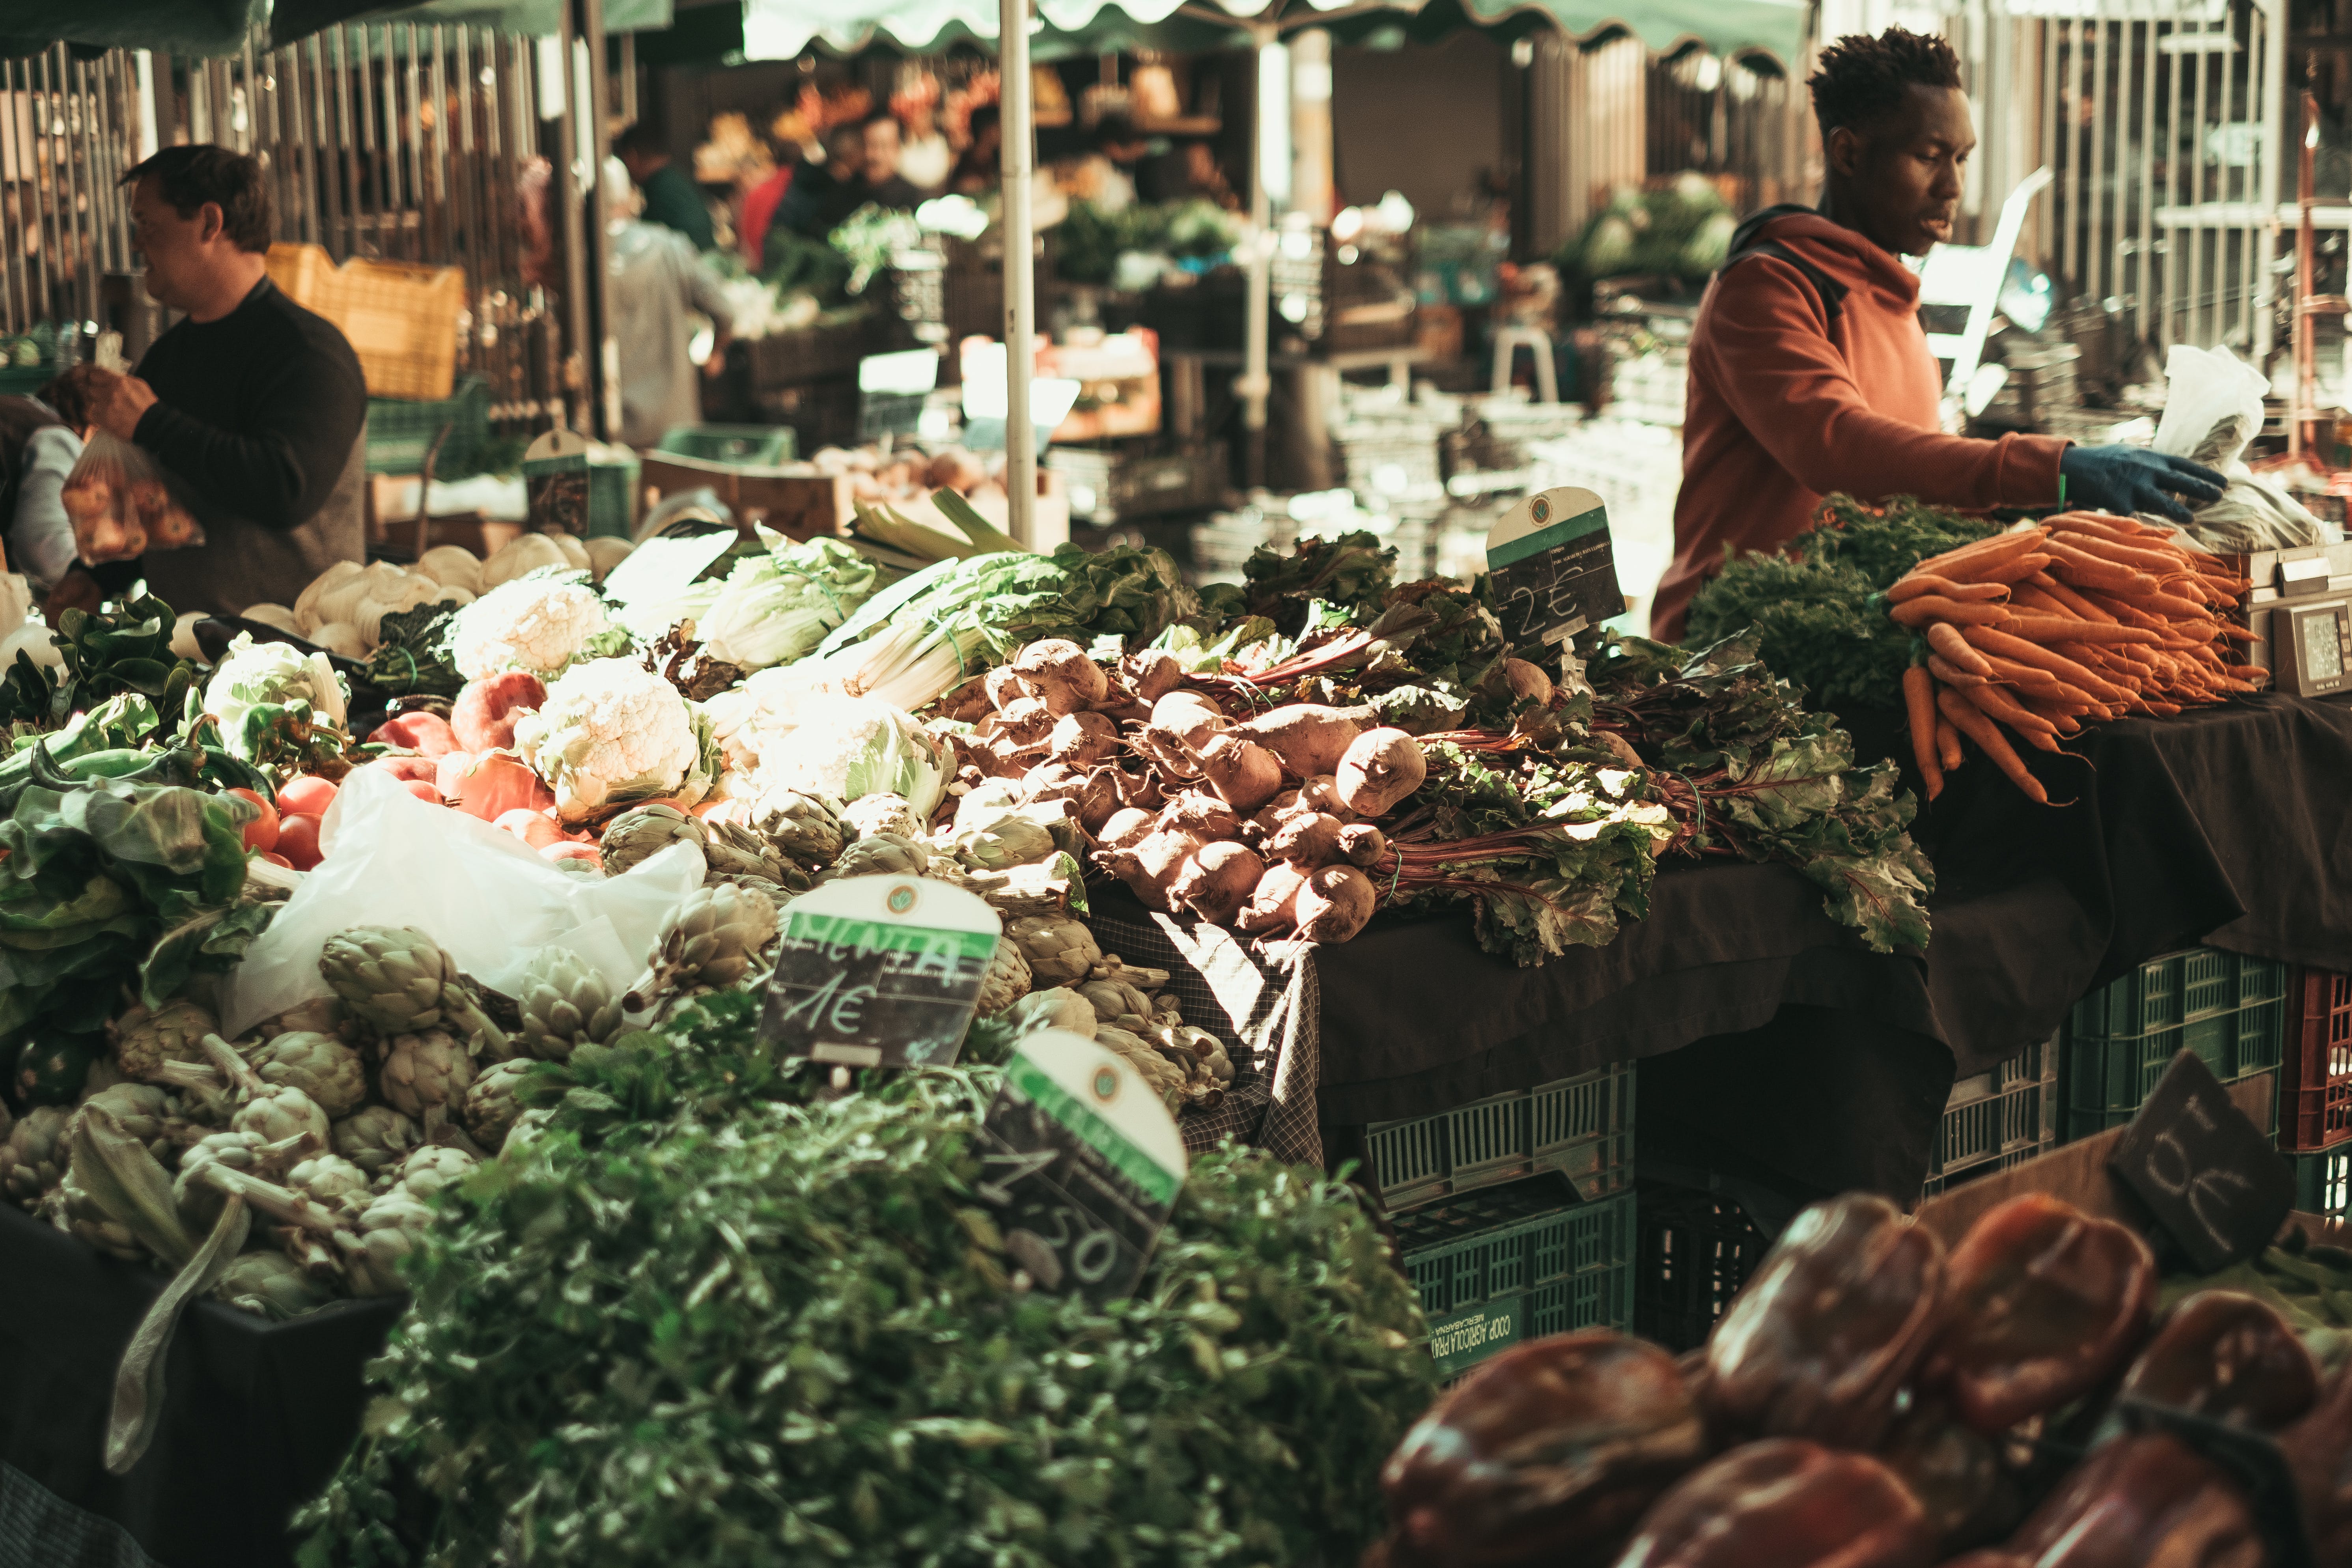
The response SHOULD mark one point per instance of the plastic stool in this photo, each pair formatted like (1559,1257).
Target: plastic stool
(1507,341)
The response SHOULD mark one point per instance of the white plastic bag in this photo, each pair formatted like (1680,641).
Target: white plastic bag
(482,893)
(2212,407)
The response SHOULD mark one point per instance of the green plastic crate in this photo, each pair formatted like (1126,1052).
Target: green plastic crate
(1997,1117)
(753,446)
(2323,1182)
(399,431)
(2231,1010)
(1695,1251)
(1496,1266)
(1581,1127)
(613,499)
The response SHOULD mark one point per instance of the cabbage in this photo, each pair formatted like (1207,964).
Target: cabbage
(256,685)
(846,747)
(775,607)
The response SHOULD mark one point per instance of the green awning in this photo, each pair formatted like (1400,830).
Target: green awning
(167,27)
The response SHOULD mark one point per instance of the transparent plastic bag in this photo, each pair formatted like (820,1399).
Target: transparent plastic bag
(121,504)
(484,895)
(2212,412)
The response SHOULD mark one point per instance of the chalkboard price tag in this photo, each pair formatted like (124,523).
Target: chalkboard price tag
(2213,1182)
(879,971)
(1080,1164)
(1555,571)
(555,483)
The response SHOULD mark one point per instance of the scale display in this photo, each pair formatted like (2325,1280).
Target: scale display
(2315,656)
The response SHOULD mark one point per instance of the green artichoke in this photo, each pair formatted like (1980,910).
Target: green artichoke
(713,938)
(33,1160)
(424,1074)
(173,1033)
(1009,840)
(881,855)
(430,1168)
(527,1127)
(1164,1077)
(78,1213)
(733,850)
(805,829)
(115,1195)
(1054,1007)
(1007,979)
(198,1201)
(281,1111)
(398,981)
(319,1015)
(390,1229)
(871,814)
(331,1181)
(375,1138)
(320,1066)
(565,1003)
(143,1109)
(1061,951)
(271,1285)
(490,1104)
(645,830)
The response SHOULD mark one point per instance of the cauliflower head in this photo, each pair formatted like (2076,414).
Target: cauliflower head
(259,681)
(611,731)
(537,624)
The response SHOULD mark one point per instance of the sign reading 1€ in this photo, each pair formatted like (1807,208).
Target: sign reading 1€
(879,971)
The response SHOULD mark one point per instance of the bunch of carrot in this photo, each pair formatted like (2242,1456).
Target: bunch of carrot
(2042,629)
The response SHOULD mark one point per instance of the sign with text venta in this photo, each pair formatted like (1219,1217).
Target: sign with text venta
(879,971)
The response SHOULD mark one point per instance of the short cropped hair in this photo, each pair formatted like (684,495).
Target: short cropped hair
(191,176)
(1863,79)
(642,139)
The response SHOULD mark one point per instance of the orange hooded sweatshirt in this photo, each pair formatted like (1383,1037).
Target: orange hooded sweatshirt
(1790,400)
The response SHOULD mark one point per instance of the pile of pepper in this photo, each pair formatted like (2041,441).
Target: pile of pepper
(1874,1401)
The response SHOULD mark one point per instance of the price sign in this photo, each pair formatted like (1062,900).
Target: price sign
(1081,1164)
(879,971)
(555,483)
(1555,571)
(2213,1181)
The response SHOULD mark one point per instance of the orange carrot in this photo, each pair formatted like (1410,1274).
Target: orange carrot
(1919,700)
(2076,603)
(1982,551)
(1951,674)
(2085,570)
(1921,583)
(1966,719)
(1947,743)
(2048,629)
(1946,640)
(1993,640)
(2000,704)
(2008,568)
(2130,557)
(2026,596)
(2025,677)
(1935,607)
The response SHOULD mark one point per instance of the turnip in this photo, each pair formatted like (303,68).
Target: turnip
(1215,881)
(1308,737)
(1150,864)
(484,716)
(1143,790)
(1024,721)
(1153,673)
(1333,904)
(1200,814)
(1272,907)
(1082,740)
(1322,794)
(1063,674)
(1125,828)
(1528,681)
(1361,844)
(1381,768)
(1004,687)
(1189,715)
(1243,772)
(1306,839)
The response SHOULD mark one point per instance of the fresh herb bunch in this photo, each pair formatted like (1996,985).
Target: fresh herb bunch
(760,1332)
(1352,572)
(125,646)
(412,659)
(1811,607)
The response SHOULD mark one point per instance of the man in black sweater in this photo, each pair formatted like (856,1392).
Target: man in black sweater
(257,404)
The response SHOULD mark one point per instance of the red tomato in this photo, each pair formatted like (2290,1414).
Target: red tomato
(276,859)
(297,840)
(423,791)
(305,796)
(262,832)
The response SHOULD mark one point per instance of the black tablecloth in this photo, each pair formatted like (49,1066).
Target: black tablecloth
(256,1414)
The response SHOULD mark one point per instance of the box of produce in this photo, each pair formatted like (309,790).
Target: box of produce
(1495,1266)
(1581,1127)
(2230,1009)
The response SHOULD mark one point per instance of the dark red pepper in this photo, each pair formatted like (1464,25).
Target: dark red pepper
(1957,1476)
(2229,1357)
(2144,1501)
(1549,1454)
(2044,1304)
(2318,1451)
(1785,1503)
(1820,1341)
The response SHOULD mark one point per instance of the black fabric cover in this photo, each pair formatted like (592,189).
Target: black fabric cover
(256,1414)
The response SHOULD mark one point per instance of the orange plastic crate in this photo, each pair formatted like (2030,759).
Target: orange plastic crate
(2315,1087)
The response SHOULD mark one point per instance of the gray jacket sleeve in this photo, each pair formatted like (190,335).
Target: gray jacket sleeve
(41,536)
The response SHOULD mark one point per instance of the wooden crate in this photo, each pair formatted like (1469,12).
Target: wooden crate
(797,501)
(400,319)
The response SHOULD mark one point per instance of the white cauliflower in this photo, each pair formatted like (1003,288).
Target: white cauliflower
(537,624)
(611,731)
(270,676)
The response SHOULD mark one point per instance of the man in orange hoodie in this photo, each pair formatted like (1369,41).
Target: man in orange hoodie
(1808,370)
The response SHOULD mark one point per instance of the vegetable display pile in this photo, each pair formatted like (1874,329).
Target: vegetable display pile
(1872,1400)
(2040,629)
(696,1319)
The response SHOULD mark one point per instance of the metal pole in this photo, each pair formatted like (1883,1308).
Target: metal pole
(604,369)
(567,182)
(1255,383)
(2300,400)
(1019,272)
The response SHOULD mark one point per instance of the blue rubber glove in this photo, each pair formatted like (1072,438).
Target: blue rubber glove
(2126,479)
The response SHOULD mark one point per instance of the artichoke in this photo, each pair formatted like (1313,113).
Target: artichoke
(430,1168)
(269,1284)
(1116,999)
(331,1182)
(1164,1077)
(319,1015)
(423,1074)
(645,830)
(733,850)
(805,829)
(1007,979)
(278,1113)
(198,1201)
(142,1110)
(871,814)
(1061,951)
(713,938)
(33,1160)
(1009,840)
(526,1129)
(881,854)
(78,1213)
(115,1195)
(1055,1008)
(387,1232)
(565,1003)
(490,1104)
(398,981)
(320,1066)
(104,1074)
(375,1138)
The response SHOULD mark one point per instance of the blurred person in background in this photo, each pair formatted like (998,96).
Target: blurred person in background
(672,199)
(654,280)
(763,200)
(38,446)
(980,165)
(884,186)
(925,158)
(822,194)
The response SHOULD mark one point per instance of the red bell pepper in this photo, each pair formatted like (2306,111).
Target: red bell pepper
(1785,1503)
